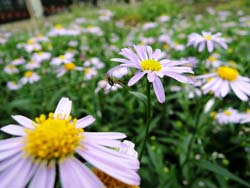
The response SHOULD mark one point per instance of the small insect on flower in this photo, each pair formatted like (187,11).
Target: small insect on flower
(48,142)
(207,38)
(154,65)
(223,80)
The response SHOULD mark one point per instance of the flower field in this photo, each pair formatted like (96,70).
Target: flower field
(151,95)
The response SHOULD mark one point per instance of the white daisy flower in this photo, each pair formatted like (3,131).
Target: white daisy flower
(223,80)
(32,158)
(207,38)
(229,115)
(30,77)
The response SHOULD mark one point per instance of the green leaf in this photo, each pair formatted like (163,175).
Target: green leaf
(221,171)
(139,95)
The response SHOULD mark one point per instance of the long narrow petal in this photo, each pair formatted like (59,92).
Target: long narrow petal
(10,143)
(63,108)
(110,167)
(238,92)
(136,78)
(225,88)
(24,121)
(14,130)
(44,177)
(159,90)
(151,76)
(84,122)
(107,135)
(86,177)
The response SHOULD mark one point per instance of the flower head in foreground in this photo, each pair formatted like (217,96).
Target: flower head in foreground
(223,80)
(154,66)
(207,38)
(42,145)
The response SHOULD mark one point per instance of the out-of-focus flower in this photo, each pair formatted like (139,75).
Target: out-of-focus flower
(105,15)
(13,85)
(29,77)
(31,46)
(41,56)
(103,84)
(89,73)
(206,39)
(163,18)
(11,69)
(80,20)
(31,65)
(152,63)
(229,115)
(213,61)
(18,61)
(119,72)
(94,62)
(223,80)
(149,25)
(67,67)
(73,43)
(66,58)
(93,30)
(245,117)
(58,138)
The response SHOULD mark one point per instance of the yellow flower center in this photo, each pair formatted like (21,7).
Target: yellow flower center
(28,74)
(39,53)
(212,59)
(58,26)
(69,66)
(208,37)
(11,67)
(110,182)
(62,57)
(151,65)
(227,112)
(87,70)
(227,73)
(30,41)
(53,138)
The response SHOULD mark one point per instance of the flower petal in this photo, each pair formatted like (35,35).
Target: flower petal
(136,78)
(159,90)
(84,122)
(24,121)
(63,108)
(14,130)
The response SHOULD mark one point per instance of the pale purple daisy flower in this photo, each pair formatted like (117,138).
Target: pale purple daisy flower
(229,115)
(223,80)
(50,142)
(206,39)
(154,65)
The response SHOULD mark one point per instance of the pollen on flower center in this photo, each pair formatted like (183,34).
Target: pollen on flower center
(111,182)
(227,73)
(28,74)
(151,65)
(69,66)
(208,37)
(227,112)
(52,138)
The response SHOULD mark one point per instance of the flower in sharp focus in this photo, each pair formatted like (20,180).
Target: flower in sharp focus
(127,148)
(152,63)
(58,138)
(206,39)
(223,80)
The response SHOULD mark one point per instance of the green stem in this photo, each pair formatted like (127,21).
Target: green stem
(148,121)
(196,125)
